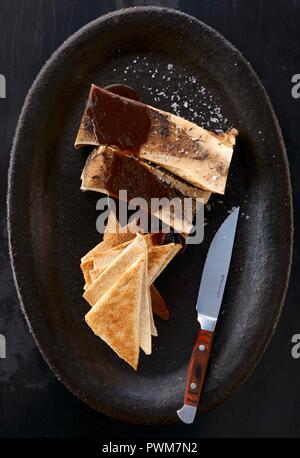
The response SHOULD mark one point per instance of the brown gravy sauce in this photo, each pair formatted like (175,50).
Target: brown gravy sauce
(118,121)
(124,91)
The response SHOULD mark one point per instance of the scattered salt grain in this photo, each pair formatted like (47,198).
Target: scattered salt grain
(202,105)
(175,106)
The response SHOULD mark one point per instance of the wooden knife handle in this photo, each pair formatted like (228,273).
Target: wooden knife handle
(197,368)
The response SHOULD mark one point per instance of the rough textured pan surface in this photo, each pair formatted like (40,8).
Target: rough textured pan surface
(52,223)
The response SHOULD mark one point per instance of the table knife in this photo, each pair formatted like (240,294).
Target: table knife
(208,306)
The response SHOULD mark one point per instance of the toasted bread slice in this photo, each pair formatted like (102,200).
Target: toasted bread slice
(128,256)
(94,274)
(146,316)
(180,146)
(159,257)
(86,267)
(104,258)
(115,317)
(114,235)
(112,226)
(154,332)
(89,256)
(97,259)
(101,262)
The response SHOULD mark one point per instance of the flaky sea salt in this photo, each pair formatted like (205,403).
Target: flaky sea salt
(176,90)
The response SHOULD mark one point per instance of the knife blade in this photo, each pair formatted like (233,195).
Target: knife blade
(208,307)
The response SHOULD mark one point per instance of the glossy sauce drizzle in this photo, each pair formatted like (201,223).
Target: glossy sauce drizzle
(124,91)
(118,121)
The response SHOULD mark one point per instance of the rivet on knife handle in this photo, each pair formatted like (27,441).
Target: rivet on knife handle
(196,376)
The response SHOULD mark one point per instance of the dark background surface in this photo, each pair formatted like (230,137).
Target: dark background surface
(32,402)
